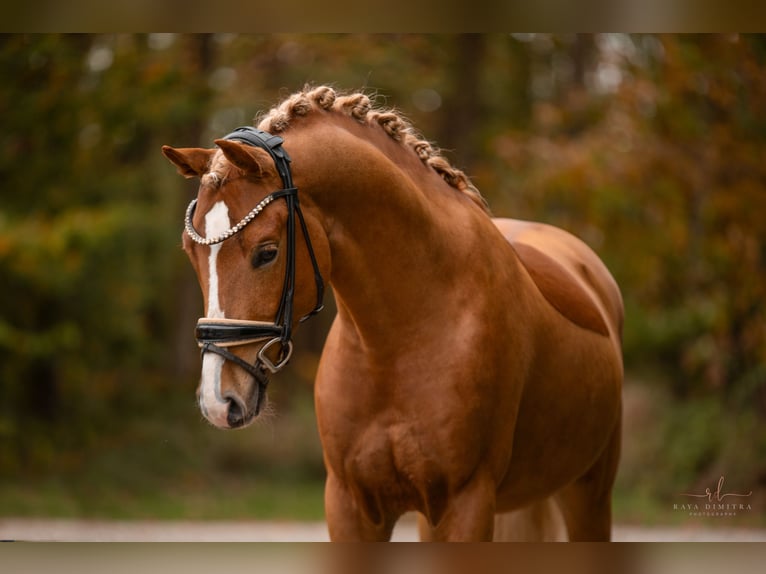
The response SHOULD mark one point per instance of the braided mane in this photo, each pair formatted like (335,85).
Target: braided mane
(360,107)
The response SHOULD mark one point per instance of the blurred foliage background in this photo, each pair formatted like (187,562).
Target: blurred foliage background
(651,148)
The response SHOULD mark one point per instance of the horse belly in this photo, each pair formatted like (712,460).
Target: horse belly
(571,397)
(566,417)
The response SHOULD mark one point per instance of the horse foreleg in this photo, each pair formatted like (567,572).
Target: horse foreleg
(425,530)
(468,516)
(539,521)
(586,504)
(345,520)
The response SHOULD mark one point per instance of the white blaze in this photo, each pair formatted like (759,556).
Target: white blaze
(212,404)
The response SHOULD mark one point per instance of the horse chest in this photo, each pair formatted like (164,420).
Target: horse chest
(390,469)
(404,434)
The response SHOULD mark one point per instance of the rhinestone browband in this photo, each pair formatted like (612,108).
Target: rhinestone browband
(229,232)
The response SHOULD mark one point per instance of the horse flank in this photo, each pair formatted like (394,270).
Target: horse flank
(360,107)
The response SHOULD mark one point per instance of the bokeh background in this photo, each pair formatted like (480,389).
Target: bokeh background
(649,147)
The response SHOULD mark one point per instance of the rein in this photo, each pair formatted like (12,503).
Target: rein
(215,335)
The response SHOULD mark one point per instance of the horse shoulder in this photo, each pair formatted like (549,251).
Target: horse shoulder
(568,274)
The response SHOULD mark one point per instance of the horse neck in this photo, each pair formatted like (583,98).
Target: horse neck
(401,239)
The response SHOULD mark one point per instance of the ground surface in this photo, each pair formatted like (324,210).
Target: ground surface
(46,530)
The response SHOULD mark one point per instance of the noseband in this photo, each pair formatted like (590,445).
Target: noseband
(215,335)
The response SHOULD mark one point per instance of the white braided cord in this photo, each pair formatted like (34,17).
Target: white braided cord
(197,238)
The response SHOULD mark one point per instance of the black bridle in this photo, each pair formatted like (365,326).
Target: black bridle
(215,335)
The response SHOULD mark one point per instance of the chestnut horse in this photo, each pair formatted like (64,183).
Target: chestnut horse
(473,372)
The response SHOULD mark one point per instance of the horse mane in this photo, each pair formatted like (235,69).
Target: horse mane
(361,107)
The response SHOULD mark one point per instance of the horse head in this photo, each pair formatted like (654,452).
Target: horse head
(259,259)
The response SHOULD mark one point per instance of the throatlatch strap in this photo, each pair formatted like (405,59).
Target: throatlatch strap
(317,274)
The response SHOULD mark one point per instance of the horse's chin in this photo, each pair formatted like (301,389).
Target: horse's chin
(238,410)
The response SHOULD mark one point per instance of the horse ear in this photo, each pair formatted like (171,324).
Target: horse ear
(191,162)
(247,158)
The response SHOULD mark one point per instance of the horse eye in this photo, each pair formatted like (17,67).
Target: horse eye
(264,255)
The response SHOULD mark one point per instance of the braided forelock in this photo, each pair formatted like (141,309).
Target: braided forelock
(360,107)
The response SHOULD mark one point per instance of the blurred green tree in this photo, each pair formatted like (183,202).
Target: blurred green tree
(658,164)
(87,257)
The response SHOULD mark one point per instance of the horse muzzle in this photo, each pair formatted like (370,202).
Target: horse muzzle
(218,335)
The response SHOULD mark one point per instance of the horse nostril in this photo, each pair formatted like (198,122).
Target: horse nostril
(235,415)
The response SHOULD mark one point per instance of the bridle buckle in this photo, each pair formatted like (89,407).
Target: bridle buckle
(285,356)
